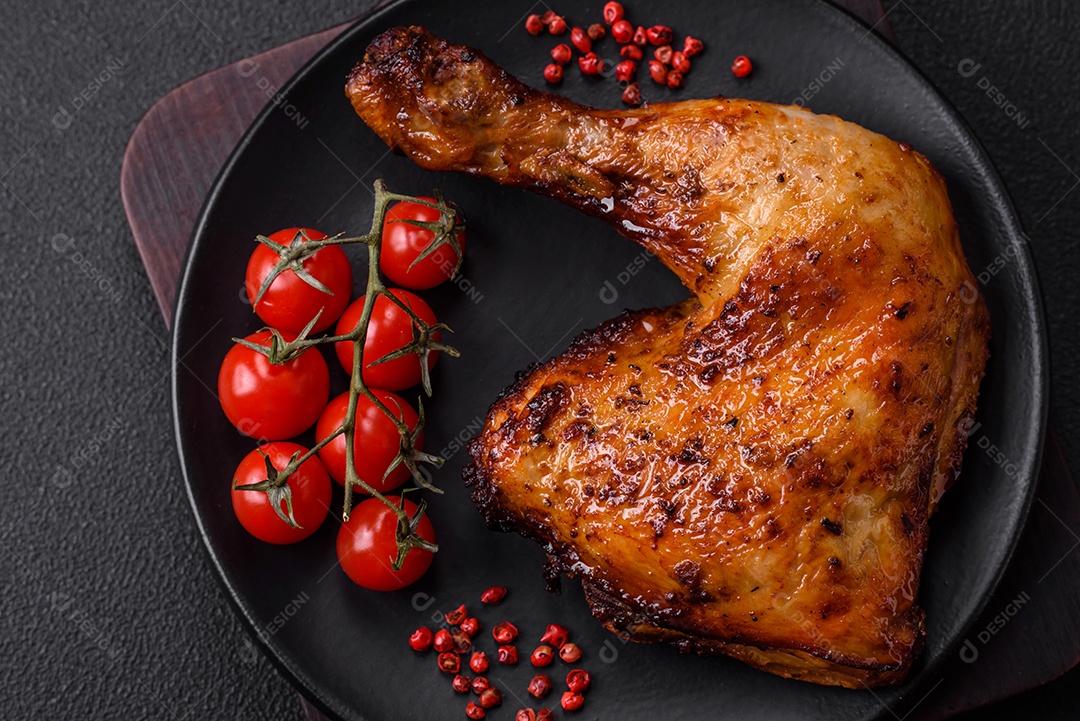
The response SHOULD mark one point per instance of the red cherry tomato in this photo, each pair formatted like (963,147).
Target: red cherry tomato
(367,545)
(272,402)
(390,328)
(309,489)
(375,442)
(402,244)
(290,303)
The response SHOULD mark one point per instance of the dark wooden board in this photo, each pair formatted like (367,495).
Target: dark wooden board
(180,145)
(1029,633)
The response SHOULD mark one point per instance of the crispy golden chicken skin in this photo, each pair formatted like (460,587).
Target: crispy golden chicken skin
(750,472)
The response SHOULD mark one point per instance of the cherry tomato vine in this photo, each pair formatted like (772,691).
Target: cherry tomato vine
(279,351)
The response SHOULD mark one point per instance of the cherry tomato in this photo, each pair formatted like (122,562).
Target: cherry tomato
(309,489)
(390,328)
(272,402)
(367,545)
(290,303)
(402,244)
(375,442)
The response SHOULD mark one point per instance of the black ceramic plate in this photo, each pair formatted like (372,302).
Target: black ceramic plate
(537,273)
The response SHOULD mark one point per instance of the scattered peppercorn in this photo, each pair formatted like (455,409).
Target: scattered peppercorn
(613,12)
(471,626)
(480,684)
(658,72)
(555,635)
(461,684)
(542,656)
(508,655)
(659,35)
(570,653)
(443,641)
(449,662)
(622,31)
(505,632)
(572,701)
(742,66)
(420,640)
(553,73)
(561,54)
(692,46)
(580,40)
(474,711)
(479,662)
(491,698)
(496,594)
(626,70)
(455,617)
(578,680)
(545,714)
(540,685)
(590,64)
(525,714)
(673,65)
(462,641)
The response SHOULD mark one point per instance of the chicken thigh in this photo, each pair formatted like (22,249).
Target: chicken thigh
(750,472)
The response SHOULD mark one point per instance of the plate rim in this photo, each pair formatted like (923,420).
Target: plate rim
(311,690)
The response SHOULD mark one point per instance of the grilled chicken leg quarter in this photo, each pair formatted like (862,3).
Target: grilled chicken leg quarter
(749,472)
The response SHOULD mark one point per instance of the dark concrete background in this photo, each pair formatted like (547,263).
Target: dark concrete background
(108,606)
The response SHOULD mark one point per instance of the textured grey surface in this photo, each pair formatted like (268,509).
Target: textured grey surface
(108,607)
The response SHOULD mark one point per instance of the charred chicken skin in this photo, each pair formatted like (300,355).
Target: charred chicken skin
(750,472)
